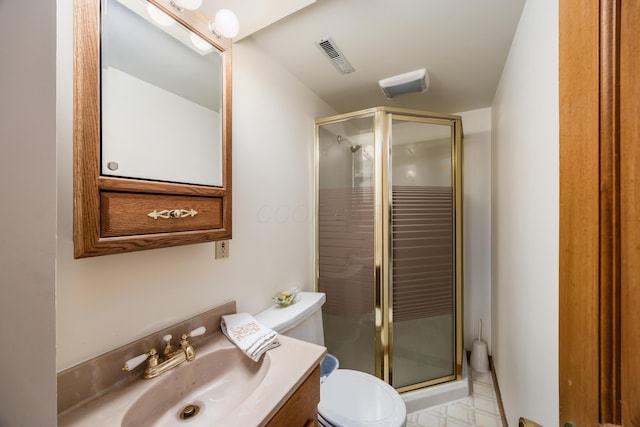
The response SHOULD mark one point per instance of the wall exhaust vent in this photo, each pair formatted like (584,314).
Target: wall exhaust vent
(334,54)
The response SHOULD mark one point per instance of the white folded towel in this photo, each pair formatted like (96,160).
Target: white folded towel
(251,337)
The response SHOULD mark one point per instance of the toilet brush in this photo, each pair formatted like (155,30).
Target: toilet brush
(479,353)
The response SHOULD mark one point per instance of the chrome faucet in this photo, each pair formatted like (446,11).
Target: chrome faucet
(172,356)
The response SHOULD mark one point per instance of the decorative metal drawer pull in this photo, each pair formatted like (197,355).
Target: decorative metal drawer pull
(173,213)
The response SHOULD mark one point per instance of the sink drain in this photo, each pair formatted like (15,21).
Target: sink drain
(189,411)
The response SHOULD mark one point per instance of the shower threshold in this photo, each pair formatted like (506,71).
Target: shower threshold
(427,397)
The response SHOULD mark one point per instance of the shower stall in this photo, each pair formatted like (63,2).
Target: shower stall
(389,243)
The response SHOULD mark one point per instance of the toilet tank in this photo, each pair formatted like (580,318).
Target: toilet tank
(301,320)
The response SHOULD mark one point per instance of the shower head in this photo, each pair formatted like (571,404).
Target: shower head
(352,147)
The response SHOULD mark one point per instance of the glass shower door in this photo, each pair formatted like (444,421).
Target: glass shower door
(346,216)
(422,236)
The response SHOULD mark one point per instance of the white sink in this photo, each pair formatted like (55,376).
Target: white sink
(227,387)
(211,387)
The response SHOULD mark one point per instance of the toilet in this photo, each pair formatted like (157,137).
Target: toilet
(347,397)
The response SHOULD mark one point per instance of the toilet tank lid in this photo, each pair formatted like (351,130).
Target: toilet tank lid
(281,319)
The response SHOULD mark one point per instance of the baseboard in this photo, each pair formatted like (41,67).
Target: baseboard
(498,395)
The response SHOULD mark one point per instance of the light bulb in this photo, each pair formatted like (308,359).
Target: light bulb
(188,4)
(199,42)
(225,24)
(159,17)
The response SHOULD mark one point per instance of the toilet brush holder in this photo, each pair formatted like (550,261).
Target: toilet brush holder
(480,357)
(480,354)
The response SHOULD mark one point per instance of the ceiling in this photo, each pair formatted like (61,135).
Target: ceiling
(463,44)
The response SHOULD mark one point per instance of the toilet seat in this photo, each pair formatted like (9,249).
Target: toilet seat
(354,398)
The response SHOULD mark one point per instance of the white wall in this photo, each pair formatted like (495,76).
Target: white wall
(107,301)
(28,226)
(476,208)
(525,219)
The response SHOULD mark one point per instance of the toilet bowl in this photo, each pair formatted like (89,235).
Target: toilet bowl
(354,398)
(347,397)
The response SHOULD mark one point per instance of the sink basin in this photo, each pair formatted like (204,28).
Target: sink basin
(211,387)
(227,387)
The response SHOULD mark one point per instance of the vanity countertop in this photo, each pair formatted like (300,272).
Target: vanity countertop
(288,366)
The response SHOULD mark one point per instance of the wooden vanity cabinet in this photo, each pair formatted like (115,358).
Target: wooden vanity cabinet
(301,410)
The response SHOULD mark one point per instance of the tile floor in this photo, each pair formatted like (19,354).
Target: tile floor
(480,409)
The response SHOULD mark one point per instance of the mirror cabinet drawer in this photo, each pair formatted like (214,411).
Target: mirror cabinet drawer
(127,214)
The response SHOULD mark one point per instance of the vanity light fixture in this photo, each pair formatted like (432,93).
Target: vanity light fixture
(200,43)
(159,17)
(225,24)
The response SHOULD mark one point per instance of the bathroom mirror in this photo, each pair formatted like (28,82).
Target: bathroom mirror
(161,87)
(152,133)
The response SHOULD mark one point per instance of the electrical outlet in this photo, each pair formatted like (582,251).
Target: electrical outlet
(222,249)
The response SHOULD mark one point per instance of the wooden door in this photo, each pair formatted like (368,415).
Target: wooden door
(599,212)
(630,210)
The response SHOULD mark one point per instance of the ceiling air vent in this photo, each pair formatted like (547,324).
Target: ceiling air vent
(334,54)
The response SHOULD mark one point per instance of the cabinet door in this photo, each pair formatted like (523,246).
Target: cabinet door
(301,410)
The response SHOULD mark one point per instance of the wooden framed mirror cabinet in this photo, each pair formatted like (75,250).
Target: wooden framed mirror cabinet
(152,128)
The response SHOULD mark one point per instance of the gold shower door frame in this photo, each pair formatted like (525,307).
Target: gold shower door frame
(383,118)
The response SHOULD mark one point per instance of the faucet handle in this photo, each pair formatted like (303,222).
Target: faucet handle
(184,339)
(184,342)
(134,362)
(197,332)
